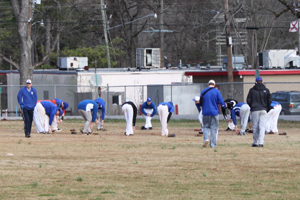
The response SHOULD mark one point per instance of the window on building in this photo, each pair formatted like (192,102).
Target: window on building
(46,94)
(115,99)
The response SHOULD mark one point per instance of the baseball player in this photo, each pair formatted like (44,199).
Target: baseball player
(200,116)
(44,114)
(149,110)
(165,111)
(88,110)
(241,110)
(61,105)
(130,111)
(230,125)
(272,118)
(56,120)
(100,113)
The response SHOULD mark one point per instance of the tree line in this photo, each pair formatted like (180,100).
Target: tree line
(186,30)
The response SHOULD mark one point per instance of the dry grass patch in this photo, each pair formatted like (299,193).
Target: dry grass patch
(146,165)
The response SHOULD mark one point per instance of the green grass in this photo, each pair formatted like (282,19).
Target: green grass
(147,165)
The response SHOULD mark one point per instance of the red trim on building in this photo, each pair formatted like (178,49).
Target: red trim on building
(243,72)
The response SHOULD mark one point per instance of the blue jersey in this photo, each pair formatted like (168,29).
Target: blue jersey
(50,110)
(101,102)
(59,103)
(89,105)
(151,106)
(210,102)
(27,98)
(170,107)
(236,112)
(198,107)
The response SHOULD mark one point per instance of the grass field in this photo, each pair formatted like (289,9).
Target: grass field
(146,165)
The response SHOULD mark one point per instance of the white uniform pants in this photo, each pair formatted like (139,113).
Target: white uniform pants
(272,119)
(163,113)
(231,125)
(87,116)
(99,117)
(54,123)
(200,118)
(148,123)
(40,118)
(128,114)
(244,116)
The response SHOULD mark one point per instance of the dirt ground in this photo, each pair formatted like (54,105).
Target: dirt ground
(110,165)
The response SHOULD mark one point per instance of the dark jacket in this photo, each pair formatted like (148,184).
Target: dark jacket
(259,97)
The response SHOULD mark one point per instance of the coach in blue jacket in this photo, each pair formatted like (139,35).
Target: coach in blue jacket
(27,98)
(210,110)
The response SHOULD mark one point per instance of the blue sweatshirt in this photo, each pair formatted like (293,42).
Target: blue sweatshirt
(210,102)
(89,105)
(236,112)
(170,107)
(146,106)
(50,109)
(101,102)
(27,99)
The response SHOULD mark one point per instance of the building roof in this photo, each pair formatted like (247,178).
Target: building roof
(243,72)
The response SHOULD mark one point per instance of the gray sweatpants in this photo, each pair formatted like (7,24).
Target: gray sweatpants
(211,127)
(87,116)
(258,121)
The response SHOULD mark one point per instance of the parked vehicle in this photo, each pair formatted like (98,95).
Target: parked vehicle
(289,100)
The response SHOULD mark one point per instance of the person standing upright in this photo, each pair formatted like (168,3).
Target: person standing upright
(211,97)
(27,98)
(259,99)
(149,110)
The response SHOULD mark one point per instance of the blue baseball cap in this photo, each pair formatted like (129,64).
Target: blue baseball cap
(149,99)
(170,102)
(258,79)
(66,105)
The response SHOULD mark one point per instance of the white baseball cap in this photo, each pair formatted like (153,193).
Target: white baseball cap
(28,81)
(211,82)
(197,98)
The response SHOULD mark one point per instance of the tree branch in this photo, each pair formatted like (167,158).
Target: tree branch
(51,50)
(9,61)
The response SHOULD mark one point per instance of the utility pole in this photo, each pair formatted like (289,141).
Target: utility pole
(105,32)
(161,35)
(228,43)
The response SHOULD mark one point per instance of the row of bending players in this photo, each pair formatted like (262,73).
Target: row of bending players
(89,109)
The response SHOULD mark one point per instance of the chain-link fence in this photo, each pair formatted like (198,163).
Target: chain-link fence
(180,94)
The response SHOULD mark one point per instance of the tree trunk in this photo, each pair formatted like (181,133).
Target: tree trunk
(47,36)
(22,11)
